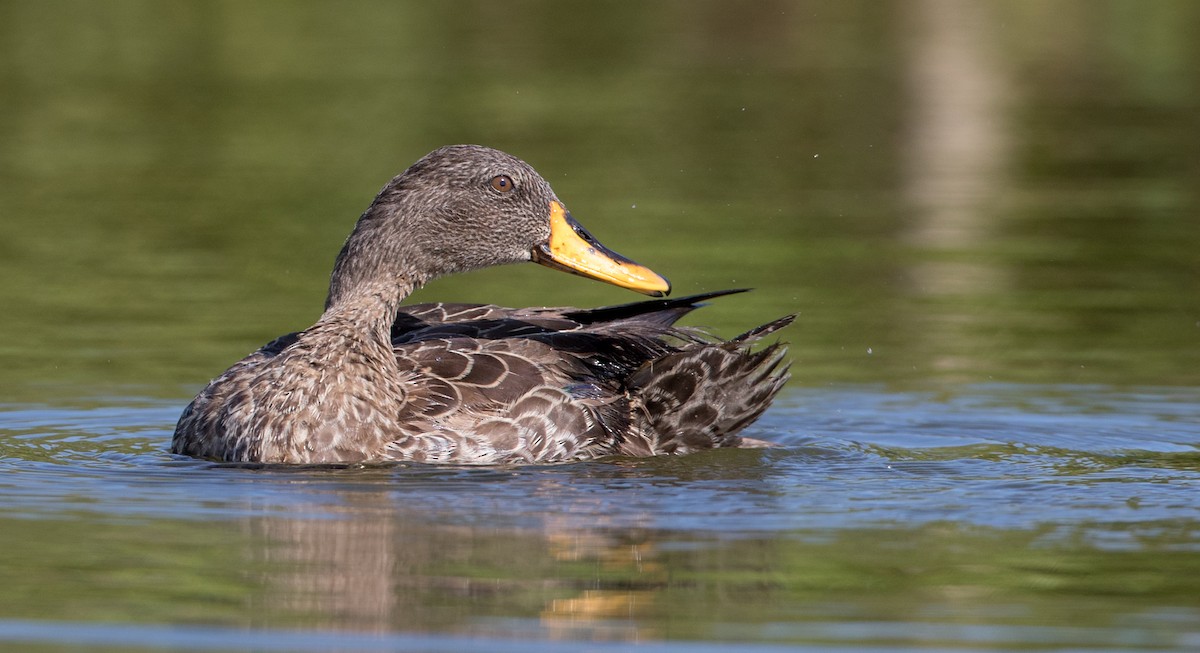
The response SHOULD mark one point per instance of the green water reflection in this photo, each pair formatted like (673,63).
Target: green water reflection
(946,191)
(374,570)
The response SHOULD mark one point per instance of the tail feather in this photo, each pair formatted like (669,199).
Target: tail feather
(702,396)
(764,330)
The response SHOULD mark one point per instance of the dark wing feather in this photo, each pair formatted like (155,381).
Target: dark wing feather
(513,400)
(419,321)
(486,384)
(653,310)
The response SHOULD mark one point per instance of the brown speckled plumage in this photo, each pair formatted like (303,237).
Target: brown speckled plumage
(476,384)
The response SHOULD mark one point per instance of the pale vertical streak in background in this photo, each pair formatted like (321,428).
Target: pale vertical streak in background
(956,164)
(958,142)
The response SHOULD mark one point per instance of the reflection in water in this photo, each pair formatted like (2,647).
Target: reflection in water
(959,140)
(989,519)
(371,564)
(374,565)
(340,566)
(958,149)
(605,613)
(600,615)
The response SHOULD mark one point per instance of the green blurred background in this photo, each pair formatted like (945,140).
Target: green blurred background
(946,191)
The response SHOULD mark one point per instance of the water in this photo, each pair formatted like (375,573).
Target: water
(984,214)
(1001,516)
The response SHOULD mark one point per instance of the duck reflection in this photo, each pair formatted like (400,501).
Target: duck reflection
(369,563)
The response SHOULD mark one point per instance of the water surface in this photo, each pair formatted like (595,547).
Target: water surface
(999,516)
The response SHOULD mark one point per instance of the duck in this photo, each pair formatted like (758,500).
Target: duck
(373,381)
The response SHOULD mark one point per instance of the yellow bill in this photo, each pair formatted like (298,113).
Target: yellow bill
(572,249)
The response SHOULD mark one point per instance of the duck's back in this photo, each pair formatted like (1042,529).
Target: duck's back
(493,385)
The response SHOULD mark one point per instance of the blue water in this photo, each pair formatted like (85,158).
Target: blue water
(994,516)
(847,458)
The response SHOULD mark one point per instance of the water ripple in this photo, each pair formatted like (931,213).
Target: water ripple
(1007,457)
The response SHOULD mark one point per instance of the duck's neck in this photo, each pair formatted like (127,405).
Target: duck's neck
(368,309)
(370,277)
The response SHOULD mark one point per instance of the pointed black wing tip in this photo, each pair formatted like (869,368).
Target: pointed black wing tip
(680,305)
(699,300)
(699,297)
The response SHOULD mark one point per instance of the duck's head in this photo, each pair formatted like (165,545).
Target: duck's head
(464,207)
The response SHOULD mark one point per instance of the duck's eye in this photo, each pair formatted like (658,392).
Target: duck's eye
(502,183)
